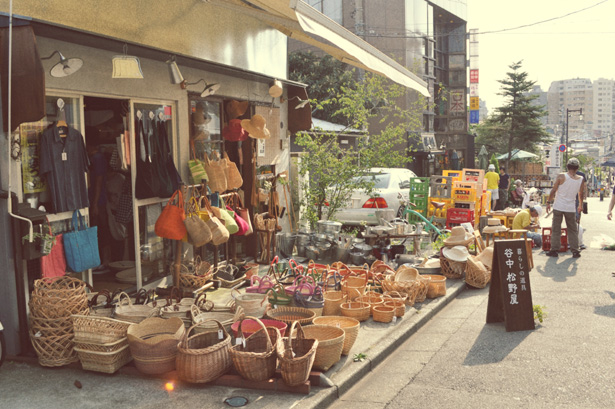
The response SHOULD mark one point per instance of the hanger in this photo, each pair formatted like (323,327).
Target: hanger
(139,114)
(151,115)
(62,120)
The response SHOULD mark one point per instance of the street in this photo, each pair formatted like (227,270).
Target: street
(458,361)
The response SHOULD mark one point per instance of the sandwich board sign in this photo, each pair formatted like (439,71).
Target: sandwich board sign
(510,295)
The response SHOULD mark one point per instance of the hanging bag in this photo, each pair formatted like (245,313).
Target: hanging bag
(167,156)
(242,216)
(216,171)
(159,159)
(197,171)
(81,245)
(233,176)
(147,183)
(54,264)
(227,215)
(199,233)
(220,234)
(170,223)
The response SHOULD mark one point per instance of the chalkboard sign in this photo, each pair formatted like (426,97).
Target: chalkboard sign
(510,295)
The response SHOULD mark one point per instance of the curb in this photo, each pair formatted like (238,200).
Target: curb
(346,379)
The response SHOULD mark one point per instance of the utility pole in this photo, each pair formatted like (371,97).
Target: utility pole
(568,111)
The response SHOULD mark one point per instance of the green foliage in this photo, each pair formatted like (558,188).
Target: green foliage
(493,161)
(539,313)
(438,243)
(360,357)
(517,123)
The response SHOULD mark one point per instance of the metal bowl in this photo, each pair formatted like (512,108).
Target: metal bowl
(426,270)
(329,226)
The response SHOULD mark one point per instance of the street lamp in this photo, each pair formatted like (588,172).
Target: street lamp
(568,111)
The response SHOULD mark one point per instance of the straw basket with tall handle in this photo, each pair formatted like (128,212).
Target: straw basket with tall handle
(254,305)
(255,357)
(127,311)
(296,355)
(333,301)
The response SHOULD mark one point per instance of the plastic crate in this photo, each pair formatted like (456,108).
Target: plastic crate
(466,205)
(441,212)
(441,186)
(455,174)
(546,239)
(473,175)
(462,194)
(486,203)
(419,185)
(458,216)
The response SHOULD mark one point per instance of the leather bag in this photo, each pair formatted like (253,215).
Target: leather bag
(170,223)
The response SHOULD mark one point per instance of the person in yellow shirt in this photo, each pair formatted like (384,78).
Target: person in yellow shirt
(493,181)
(523,221)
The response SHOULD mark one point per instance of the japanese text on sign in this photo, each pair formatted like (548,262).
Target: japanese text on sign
(515,281)
(473,76)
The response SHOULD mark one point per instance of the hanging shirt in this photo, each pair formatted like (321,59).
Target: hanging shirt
(64,162)
(566,194)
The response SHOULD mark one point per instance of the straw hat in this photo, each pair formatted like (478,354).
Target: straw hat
(494,226)
(457,253)
(458,237)
(199,116)
(256,127)
(486,257)
(235,109)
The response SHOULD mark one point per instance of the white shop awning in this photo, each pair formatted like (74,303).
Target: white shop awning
(299,21)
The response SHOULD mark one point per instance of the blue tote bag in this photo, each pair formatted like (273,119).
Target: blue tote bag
(81,245)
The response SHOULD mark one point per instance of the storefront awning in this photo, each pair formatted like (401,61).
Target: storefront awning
(299,21)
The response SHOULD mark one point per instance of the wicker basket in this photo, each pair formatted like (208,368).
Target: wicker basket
(296,356)
(349,325)
(153,344)
(423,286)
(358,310)
(383,313)
(399,305)
(372,299)
(127,311)
(60,287)
(100,330)
(408,288)
(354,285)
(290,314)
(204,321)
(405,273)
(477,274)
(203,273)
(50,327)
(55,350)
(333,301)
(330,344)
(255,357)
(253,305)
(108,347)
(452,269)
(107,362)
(43,306)
(203,357)
(437,286)
(101,308)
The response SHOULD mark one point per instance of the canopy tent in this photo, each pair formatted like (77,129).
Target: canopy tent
(517,154)
(300,21)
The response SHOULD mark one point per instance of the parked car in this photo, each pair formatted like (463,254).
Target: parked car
(389,182)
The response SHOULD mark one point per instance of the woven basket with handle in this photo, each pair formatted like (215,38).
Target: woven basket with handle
(358,310)
(349,325)
(383,313)
(330,344)
(255,357)
(333,301)
(296,355)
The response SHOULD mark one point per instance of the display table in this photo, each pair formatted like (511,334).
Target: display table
(416,239)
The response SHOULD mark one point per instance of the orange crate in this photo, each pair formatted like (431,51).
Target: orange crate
(442,212)
(455,174)
(473,175)
(461,194)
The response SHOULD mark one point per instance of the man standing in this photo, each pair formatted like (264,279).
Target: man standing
(503,187)
(523,221)
(565,189)
(581,229)
(493,179)
(609,214)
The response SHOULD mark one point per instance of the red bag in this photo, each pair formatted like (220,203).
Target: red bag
(54,264)
(170,223)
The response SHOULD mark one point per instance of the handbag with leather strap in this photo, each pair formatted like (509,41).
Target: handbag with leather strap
(170,223)
(242,215)
(199,233)
(220,234)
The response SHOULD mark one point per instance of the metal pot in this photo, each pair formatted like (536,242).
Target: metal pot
(286,243)
(312,253)
(356,259)
(329,226)
(381,230)
(362,249)
(400,226)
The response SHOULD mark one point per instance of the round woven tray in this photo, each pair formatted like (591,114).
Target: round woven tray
(349,325)
(289,314)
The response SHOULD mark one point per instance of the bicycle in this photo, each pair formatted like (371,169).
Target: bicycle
(430,226)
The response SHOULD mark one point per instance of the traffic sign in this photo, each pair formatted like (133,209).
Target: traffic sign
(562,148)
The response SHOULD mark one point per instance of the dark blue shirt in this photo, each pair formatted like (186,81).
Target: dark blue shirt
(504,181)
(64,162)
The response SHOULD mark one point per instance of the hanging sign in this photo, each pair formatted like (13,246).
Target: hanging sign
(474,117)
(473,90)
(473,76)
(510,295)
(474,103)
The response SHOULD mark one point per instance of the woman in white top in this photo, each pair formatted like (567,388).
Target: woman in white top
(567,186)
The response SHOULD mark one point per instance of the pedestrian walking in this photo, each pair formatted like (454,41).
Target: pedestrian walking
(493,180)
(503,187)
(579,213)
(609,214)
(565,189)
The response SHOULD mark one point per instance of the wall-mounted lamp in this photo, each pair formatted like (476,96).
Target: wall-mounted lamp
(65,67)
(209,89)
(275,88)
(301,104)
(126,66)
(174,73)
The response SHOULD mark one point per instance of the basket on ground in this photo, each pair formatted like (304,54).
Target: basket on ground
(102,330)
(205,319)
(349,325)
(253,304)
(254,357)
(203,357)
(289,314)
(333,301)
(55,350)
(477,274)
(296,355)
(127,311)
(104,361)
(330,344)
(437,286)
(357,310)
(383,313)
(153,344)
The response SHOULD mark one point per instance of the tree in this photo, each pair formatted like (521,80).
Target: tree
(494,161)
(332,169)
(516,125)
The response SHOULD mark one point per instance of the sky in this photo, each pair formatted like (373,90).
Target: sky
(581,45)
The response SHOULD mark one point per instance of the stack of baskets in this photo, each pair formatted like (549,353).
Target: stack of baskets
(52,303)
(101,343)
(153,344)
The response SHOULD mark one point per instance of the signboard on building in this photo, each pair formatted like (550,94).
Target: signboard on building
(473,90)
(474,117)
(457,101)
(473,76)
(474,105)
(510,295)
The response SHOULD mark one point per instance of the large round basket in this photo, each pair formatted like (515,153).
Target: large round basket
(55,350)
(333,301)
(330,344)
(349,325)
(203,357)
(296,355)
(153,344)
(61,287)
(452,269)
(437,286)
(253,305)
(477,274)
(289,314)
(383,313)
(127,311)
(357,310)
(255,357)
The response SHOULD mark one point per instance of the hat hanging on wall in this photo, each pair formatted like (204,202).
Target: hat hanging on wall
(275,88)
(235,109)
(256,127)
(126,66)
(65,67)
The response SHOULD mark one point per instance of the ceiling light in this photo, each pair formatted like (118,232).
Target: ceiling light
(65,67)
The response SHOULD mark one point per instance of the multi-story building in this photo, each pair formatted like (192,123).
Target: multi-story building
(541,100)
(604,107)
(428,37)
(570,95)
